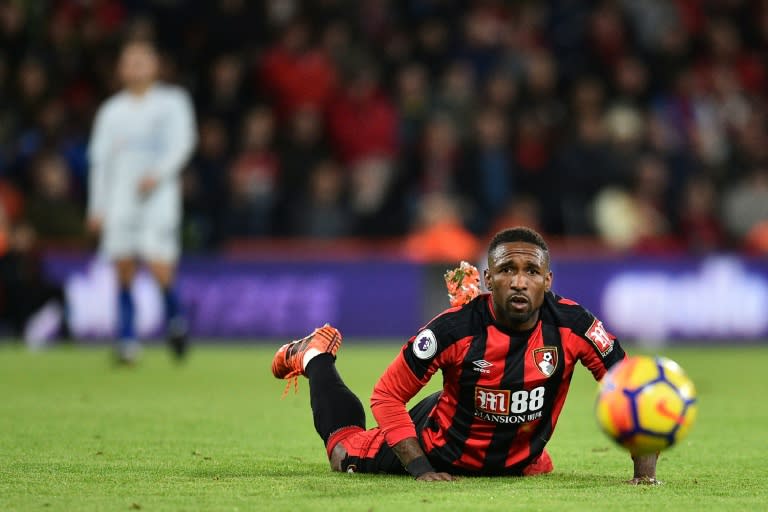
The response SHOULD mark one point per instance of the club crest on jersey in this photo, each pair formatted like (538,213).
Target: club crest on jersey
(600,338)
(545,359)
(425,344)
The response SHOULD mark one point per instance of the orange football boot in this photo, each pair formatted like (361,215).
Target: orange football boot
(288,361)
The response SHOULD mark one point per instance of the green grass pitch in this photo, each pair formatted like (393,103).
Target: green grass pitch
(213,434)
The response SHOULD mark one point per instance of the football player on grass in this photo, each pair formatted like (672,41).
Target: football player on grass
(507,358)
(142,137)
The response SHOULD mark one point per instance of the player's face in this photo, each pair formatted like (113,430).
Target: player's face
(518,275)
(138,65)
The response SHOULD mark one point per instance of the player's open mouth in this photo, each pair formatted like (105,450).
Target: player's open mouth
(518,301)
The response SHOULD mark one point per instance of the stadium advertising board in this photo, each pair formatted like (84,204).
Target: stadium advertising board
(648,299)
(658,300)
(227,299)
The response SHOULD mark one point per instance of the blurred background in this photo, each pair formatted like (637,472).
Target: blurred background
(351,151)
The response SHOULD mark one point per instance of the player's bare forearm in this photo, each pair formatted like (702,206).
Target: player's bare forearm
(645,469)
(408,450)
(415,461)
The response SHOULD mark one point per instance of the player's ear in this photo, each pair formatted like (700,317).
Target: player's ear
(548,282)
(487,279)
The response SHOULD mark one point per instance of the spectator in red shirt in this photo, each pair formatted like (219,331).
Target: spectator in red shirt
(253,178)
(726,51)
(363,124)
(362,119)
(296,74)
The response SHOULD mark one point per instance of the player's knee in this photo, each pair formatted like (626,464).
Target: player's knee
(162,271)
(126,270)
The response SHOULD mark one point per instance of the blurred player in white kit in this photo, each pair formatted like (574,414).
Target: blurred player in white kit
(142,138)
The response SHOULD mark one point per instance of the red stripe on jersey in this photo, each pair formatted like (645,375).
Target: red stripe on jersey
(490,307)
(565,381)
(552,389)
(396,386)
(567,302)
(476,446)
(500,400)
(445,409)
(567,336)
(533,378)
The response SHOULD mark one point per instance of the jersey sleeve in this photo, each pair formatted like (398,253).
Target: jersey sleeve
(598,349)
(98,154)
(411,370)
(179,136)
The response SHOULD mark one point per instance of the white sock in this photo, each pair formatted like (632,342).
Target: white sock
(308,355)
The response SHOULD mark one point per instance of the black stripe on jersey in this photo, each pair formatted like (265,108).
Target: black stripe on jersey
(418,366)
(503,435)
(616,355)
(449,328)
(463,417)
(580,319)
(551,335)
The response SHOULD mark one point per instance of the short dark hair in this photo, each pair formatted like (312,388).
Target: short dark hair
(519,234)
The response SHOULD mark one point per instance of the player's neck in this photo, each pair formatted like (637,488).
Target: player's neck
(139,89)
(526,326)
(512,326)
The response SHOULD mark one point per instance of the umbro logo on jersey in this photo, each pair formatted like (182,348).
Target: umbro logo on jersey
(481,365)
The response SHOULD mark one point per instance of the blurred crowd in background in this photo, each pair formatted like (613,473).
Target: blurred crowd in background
(639,123)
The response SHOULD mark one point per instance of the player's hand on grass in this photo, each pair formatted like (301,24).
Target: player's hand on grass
(644,480)
(435,477)
(645,469)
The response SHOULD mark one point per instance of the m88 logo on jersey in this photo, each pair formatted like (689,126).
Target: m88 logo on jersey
(492,401)
(504,402)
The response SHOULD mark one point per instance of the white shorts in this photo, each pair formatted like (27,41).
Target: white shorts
(149,242)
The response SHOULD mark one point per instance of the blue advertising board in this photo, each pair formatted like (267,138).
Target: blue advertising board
(235,299)
(651,299)
(719,297)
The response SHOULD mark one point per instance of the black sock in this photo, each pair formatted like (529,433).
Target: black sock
(334,405)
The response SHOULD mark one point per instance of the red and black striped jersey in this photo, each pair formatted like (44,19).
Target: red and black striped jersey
(502,391)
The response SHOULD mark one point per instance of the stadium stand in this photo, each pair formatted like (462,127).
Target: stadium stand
(642,125)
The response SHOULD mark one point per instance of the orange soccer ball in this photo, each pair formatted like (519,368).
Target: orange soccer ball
(646,404)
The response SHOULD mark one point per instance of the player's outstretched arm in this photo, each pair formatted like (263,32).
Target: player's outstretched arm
(416,463)
(645,470)
(390,395)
